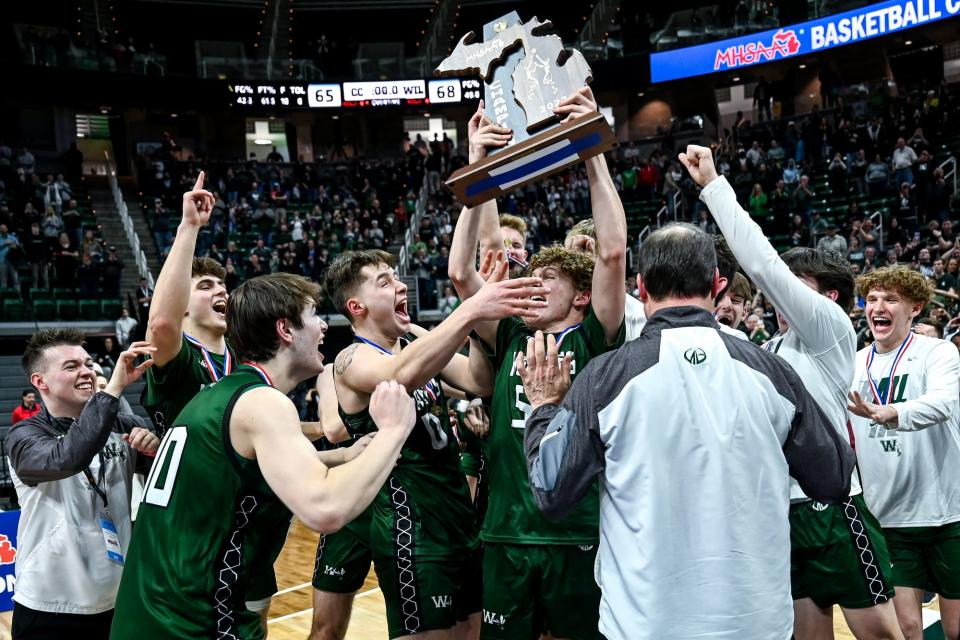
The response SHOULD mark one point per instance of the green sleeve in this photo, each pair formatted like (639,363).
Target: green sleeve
(597,335)
(164,382)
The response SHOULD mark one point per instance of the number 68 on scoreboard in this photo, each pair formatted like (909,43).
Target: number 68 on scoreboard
(324,95)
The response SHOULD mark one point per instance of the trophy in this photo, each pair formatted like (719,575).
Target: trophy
(526,73)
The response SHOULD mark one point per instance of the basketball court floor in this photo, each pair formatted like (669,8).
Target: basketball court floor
(291,611)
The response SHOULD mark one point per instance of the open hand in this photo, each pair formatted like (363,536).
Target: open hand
(476,419)
(884,415)
(545,377)
(501,297)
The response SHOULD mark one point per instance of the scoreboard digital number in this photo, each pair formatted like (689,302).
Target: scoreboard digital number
(324,95)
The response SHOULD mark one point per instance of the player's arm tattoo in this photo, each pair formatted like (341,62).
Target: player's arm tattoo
(344,359)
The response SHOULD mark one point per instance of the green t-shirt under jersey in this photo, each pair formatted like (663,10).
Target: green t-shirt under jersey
(170,387)
(512,516)
(206,518)
(424,506)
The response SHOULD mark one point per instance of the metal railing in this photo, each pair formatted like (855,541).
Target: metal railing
(877,218)
(139,257)
(949,167)
(413,225)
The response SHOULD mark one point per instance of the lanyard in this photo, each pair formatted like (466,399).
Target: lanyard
(95,485)
(215,375)
(563,334)
(259,370)
(373,344)
(874,387)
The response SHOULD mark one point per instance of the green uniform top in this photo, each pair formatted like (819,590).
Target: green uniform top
(206,517)
(170,387)
(424,506)
(512,516)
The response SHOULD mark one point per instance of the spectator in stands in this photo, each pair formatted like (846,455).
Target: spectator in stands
(905,208)
(275,156)
(422,268)
(877,175)
(855,253)
(902,161)
(448,301)
(72,222)
(112,271)
(52,225)
(27,162)
(803,197)
(791,175)
(761,100)
(75,444)
(9,246)
(53,194)
(758,204)
(125,327)
(91,245)
(144,299)
(28,407)
(832,241)
(938,197)
(106,358)
(88,276)
(38,252)
(837,175)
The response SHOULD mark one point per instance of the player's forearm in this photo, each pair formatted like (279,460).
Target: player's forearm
(348,489)
(481,371)
(608,213)
(462,267)
(172,292)
(425,357)
(491,236)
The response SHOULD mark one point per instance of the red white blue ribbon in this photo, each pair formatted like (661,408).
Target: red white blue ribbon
(263,374)
(874,387)
(211,366)
(563,334)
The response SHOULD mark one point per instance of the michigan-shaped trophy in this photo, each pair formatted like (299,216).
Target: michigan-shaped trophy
(526,73)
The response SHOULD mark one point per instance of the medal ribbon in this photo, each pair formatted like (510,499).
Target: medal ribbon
(263,374)
(211,366)
(874,387)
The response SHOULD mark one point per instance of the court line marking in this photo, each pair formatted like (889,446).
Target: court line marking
(300,613)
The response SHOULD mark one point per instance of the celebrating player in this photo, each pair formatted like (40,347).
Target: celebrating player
(812,292)
(907,422)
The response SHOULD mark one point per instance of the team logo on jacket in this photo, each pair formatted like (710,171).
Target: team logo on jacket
(695,356)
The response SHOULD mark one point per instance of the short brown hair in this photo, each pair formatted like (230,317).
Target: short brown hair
(44,339)
(207,267)
(586,227)
(576,265)
(910,284)
(343,276)
(255,306)
(513,222)
(740,286)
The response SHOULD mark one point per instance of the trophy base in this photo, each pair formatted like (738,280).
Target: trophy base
(533,159)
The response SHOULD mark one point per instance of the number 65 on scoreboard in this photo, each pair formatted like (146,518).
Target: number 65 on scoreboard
(324,95)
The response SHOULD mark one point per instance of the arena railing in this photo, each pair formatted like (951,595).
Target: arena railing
(403,255)
(139,257)
(949,167)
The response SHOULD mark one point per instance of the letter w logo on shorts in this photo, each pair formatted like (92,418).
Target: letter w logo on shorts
(442,602)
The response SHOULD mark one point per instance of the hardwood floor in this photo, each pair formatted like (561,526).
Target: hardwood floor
(291,611)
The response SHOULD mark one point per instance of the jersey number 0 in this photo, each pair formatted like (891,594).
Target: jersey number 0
(159,485)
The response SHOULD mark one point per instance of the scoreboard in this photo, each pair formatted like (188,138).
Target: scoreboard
(345,95)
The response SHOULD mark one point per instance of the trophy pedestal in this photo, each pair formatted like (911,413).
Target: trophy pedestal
(535,158)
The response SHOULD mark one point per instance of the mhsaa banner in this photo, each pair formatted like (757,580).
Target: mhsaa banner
(867,22)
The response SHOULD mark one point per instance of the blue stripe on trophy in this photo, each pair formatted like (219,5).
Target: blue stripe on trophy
(535,164)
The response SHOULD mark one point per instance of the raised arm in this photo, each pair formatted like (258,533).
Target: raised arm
(265,425)
(480,223)
(172,292)
(818,320)
(611,224)
(362,367)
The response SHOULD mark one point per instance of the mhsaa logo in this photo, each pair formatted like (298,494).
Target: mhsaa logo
(8,553)
(784,44)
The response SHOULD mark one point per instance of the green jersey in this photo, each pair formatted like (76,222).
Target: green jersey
(512,516)
(170,387)
(424,507)
(208,523)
